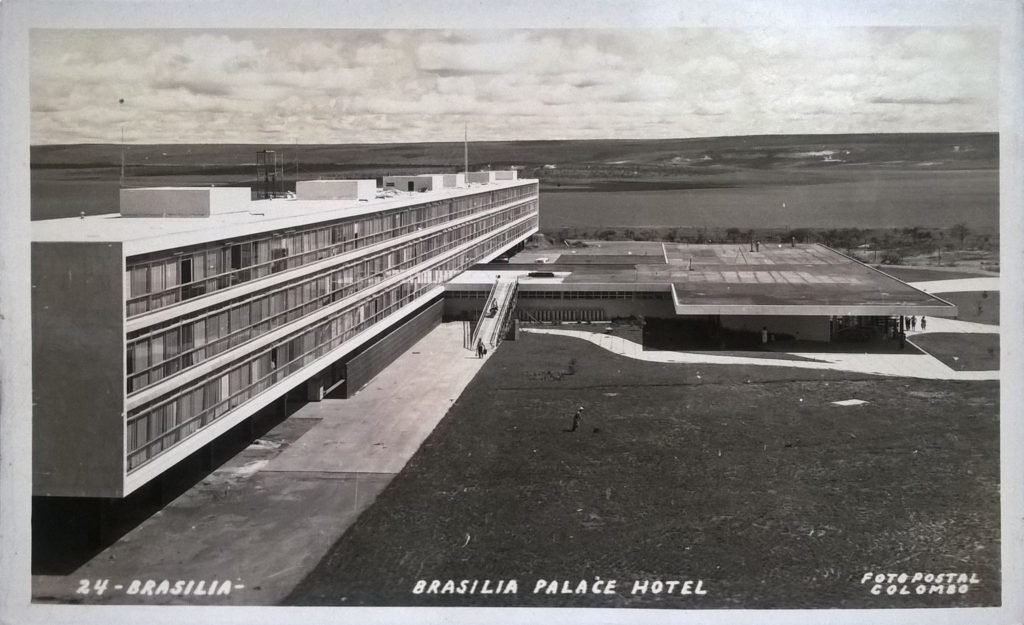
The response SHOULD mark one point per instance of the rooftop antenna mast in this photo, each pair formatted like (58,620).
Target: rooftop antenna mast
(465,149)
(121,101)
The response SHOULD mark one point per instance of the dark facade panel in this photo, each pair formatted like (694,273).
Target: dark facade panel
(77,369)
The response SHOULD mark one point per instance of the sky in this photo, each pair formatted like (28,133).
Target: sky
(407,85)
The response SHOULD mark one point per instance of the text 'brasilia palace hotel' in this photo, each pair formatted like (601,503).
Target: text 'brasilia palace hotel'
(157,330)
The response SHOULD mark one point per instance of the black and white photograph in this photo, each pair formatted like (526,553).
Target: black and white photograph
(354,312)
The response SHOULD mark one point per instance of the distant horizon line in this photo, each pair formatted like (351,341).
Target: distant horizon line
(456,142)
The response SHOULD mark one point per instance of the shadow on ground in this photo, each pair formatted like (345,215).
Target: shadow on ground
(67,532)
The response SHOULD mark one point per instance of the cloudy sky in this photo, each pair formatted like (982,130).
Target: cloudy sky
(379,86)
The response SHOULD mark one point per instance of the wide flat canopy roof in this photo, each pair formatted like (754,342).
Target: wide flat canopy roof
(729,278)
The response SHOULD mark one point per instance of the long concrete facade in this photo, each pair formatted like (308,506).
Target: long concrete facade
(157,330)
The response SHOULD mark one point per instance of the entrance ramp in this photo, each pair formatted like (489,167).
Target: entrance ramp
(497,313)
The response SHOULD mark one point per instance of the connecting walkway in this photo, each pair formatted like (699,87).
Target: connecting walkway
(497,313)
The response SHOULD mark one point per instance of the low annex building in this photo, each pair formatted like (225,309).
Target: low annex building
(803,291)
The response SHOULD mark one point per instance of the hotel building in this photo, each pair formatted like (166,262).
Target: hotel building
(157,329)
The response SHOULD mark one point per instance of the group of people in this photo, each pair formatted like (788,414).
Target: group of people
(910,323)
(905,325)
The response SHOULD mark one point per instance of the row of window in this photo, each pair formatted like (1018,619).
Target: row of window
(592,295)
(160,351)
(564,294)
(163,422)
(159,280)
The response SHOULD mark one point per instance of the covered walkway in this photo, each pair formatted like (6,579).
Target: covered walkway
(496,311)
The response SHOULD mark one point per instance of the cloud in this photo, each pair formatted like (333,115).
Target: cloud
(399,85)
(919,100)
(197,87)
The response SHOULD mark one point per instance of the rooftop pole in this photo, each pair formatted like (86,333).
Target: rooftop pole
(465,149)
(119,102)
(122,155)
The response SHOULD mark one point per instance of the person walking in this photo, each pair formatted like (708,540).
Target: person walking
(576,418)
(924,323)
(913,323)
(479,349)
(764,335)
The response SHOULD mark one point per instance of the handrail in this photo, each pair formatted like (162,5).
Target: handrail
(483,315)
(506,305)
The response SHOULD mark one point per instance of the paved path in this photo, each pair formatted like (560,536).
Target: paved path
(266,517)
(958,285)
(383,425)
(938,324)
(904,365)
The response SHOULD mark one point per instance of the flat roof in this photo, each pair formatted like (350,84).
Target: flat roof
(724,278)
(140,235)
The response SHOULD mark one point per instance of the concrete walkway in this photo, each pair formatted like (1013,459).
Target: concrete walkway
(383,425)
(938,324)
(265,518)
(958,285)
(922,366)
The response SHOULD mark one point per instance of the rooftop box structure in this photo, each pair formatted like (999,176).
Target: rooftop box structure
(184,201)
(480,177)
(336,189)
(420,183)
(454,180)
(487,177)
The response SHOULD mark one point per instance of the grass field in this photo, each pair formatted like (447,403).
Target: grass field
(915,274)
(913,198)
(962,352)
(975,306)
(746,478)
(882,181)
